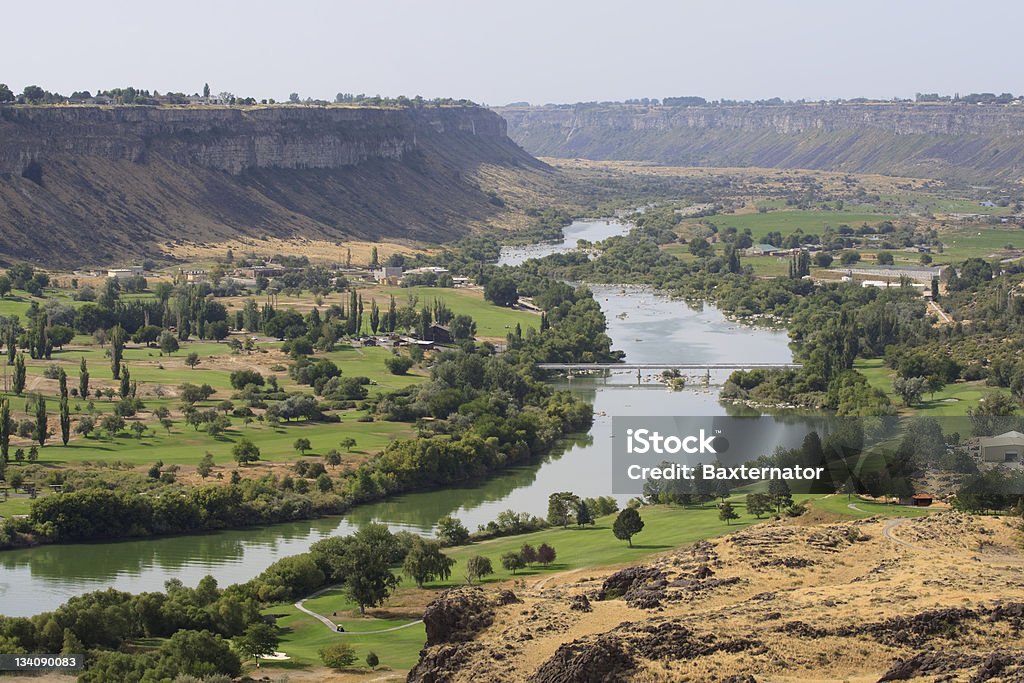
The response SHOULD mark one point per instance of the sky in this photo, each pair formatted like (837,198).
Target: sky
(538,51)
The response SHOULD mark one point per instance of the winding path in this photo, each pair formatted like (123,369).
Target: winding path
(892,524)
(333,627)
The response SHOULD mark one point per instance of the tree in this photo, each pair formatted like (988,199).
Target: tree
(425,562)
(205,466)
(41,432)
(302,445)
(462,327)
(452,531)
(245,451)
(259,639)
(332,458)
(627,524)
(512,561)
(885,258)
(65,420)
(501,291)
(758,504)
(477,567)
(365,566)
(19,374)
(192,360)
(5,430)
(83,379)
(240,379)
(583,516)
(779,494)
(726,512)
(374,257)
(546,554)
(168,343)
(561,505)
(338,655)
(6,95)
(398,365)
(909,389)
(528,553)
(372,660)
(125,387)
(348,443)
(117,337)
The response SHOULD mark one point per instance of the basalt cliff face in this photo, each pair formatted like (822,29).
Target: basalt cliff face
(963,142)
(91,185)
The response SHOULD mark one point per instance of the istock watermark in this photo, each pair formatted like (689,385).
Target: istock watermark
(687,451)
(978,461)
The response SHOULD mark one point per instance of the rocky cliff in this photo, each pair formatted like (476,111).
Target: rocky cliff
(89,184)
(968,142)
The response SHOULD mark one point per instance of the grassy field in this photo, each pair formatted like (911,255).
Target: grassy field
(788,221)
(839,504)
(665,527)
(955,399)
(491,321)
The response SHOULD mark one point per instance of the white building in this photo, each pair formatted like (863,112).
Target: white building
(125,273)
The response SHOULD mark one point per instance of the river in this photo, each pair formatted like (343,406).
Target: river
(647,326)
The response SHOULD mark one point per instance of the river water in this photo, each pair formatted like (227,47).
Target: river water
(647,326)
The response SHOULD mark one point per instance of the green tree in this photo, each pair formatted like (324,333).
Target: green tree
(372,660)
(425,562)
(348,443)
(627,524)
(65,420)
(245,451)
(758,504)
(332,458)
(452,531)
(501,291)
(583,516)
(41,430)
(117,338)
(512,561)
(5,430)
(125,387)
(546,554)
(338,655)
(19,374)
(477,567)
(561,505)
(83,379)
(168,343)
(260,639)
(365,566)
(192,360)
(726,513)
(779,494)
(302,445)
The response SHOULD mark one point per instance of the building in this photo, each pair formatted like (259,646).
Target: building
(387,273)
(921,500)
(195,275)
(760,250)
(125,273)
(1003,448)
(894,274)
(440,334)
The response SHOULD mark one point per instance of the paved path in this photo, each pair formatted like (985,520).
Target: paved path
(892,524)
(853,506)
(333,627)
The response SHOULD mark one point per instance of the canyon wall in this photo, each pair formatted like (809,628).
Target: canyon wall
(93,184)
(951,141)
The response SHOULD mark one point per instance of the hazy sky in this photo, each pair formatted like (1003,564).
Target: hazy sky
(534,50)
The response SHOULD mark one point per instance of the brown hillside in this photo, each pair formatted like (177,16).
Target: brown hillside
(933,598)
(90,185)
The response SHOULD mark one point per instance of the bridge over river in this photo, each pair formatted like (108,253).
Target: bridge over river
(705,368)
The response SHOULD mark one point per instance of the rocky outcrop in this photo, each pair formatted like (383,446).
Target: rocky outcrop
(920,140)
(601,660)
(87,185)
(457,615)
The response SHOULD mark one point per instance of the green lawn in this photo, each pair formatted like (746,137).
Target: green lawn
(491,321)
(954,400)
(302,637)
(788,221)
(185,446)
(839,504)
(979,241)
(20,505)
